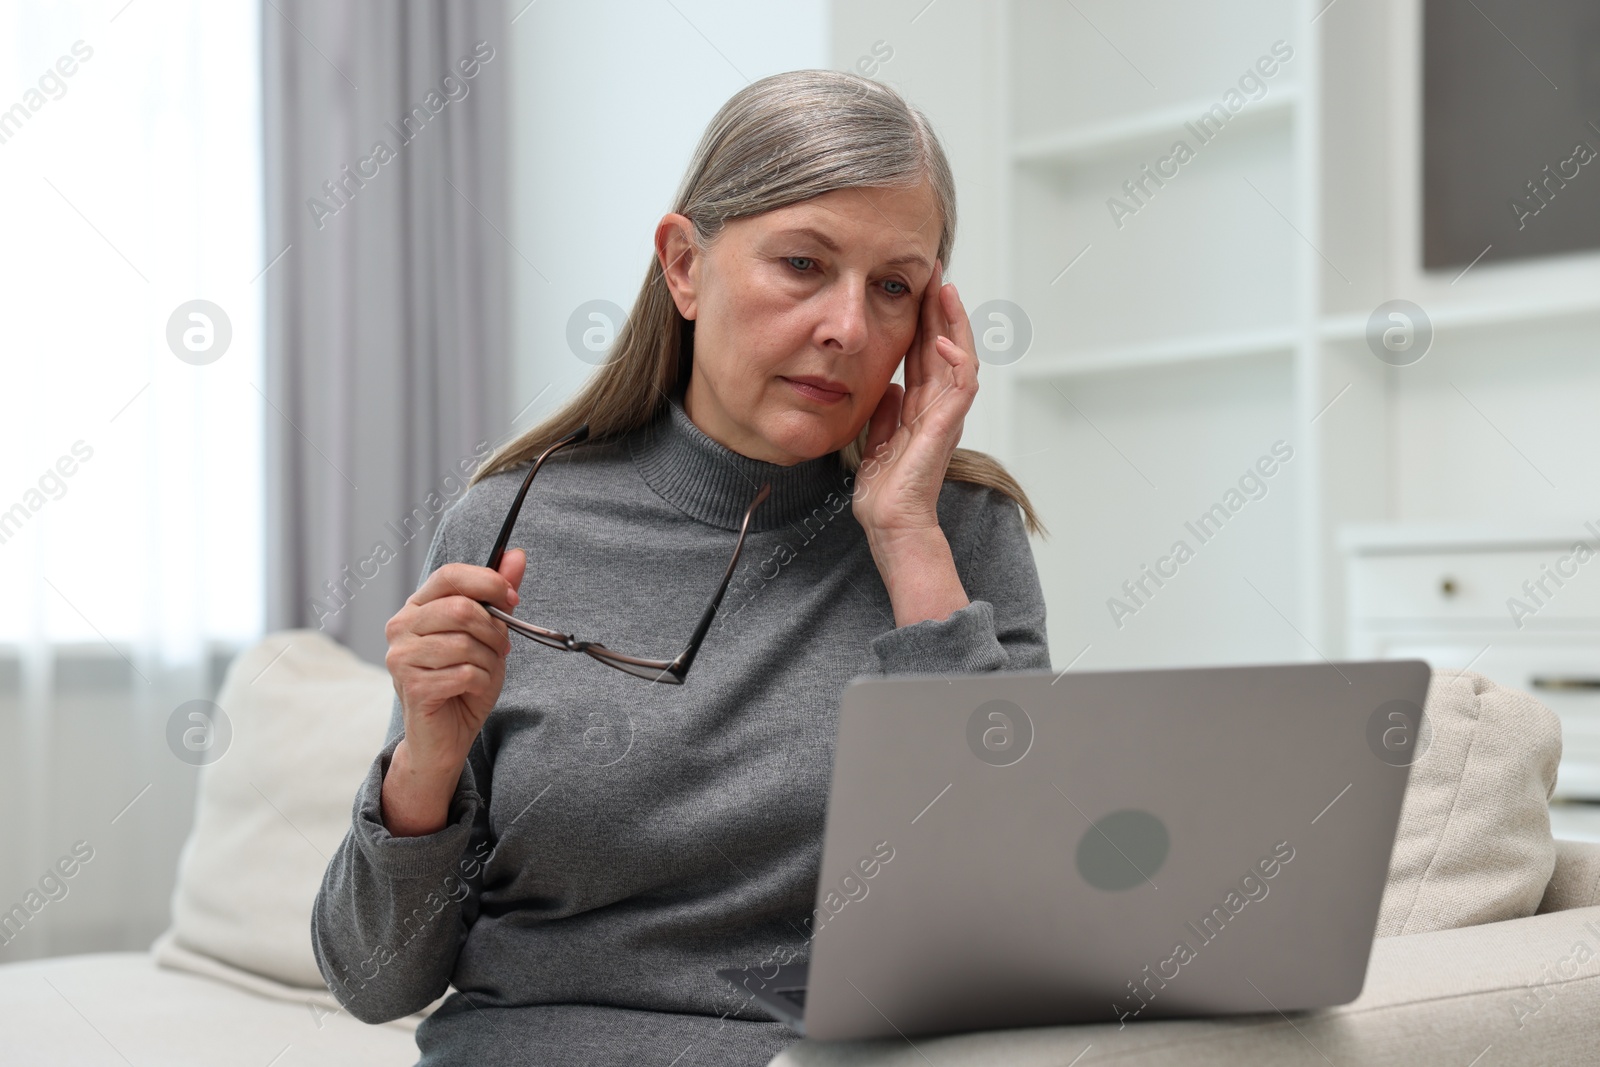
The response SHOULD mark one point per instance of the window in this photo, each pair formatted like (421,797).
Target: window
(130,449)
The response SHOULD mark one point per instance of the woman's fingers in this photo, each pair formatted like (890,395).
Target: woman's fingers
(955,347)
(932,313)
(447,652)
(885,419)
(475,583)
(955,314)
(512,566)
(963,367)
(916,366)
(463,615)
(426,691)
(435,651)
(449,600)
(932,324)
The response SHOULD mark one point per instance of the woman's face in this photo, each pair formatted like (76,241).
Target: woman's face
(827,289)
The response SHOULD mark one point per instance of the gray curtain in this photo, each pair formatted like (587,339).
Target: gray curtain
(387,295)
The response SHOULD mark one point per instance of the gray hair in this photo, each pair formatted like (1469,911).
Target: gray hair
(790,137)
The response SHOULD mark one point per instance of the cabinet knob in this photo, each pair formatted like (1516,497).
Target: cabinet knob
(1448,586)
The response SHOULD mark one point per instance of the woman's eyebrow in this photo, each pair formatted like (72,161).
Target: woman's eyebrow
(827,242)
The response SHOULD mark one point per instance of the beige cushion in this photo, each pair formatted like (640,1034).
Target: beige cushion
(112,1009)
(1474,842)
(308,717)
(319,1003)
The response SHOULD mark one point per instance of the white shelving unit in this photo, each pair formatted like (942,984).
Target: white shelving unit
(1174,351)
(1111,137)
(1228,312)
(1156,353)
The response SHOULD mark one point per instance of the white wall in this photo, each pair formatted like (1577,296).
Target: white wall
(609,99)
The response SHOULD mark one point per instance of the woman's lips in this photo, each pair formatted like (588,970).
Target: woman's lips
(812,392)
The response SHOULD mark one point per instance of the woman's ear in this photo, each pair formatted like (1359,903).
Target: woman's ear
(676,250)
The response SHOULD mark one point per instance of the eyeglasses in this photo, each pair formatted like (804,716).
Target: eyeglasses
(670,672)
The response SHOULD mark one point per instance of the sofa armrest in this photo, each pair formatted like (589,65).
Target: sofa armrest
(1576,881)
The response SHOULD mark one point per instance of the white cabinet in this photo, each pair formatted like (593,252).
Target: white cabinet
(1520,605)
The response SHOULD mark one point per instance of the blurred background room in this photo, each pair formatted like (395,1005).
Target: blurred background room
(277,274)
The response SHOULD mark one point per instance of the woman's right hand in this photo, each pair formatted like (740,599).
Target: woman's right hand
(447,659)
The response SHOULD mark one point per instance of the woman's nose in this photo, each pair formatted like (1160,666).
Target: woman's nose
(846,320)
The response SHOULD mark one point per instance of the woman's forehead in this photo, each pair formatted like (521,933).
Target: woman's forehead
(900,226)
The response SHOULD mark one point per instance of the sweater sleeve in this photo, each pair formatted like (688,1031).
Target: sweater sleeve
(392,912)
(1002,628)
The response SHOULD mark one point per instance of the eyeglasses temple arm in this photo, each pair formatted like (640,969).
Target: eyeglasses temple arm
(687,658)
(581,433)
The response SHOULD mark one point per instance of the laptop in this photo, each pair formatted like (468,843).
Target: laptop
(1030,849)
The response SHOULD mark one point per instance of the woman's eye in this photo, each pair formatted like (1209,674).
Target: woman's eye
(804,263)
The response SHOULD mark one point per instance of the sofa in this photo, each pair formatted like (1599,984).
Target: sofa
(1489,946)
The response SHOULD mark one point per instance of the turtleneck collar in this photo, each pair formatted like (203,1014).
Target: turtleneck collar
(711,482)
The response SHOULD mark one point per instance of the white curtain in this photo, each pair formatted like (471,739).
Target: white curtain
(130,466)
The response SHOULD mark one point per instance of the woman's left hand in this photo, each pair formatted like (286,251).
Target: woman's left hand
(915,429)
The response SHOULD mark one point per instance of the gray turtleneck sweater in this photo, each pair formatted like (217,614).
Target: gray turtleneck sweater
(612,841)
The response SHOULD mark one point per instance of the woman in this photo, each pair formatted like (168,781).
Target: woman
(576,848)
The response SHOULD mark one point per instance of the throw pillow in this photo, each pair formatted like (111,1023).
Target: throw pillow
(307,718)
(1474,843)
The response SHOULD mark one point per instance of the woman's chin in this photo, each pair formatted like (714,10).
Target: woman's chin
(809,445)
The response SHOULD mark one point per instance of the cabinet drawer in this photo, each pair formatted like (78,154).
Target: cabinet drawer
(1476,587)
(1564,676)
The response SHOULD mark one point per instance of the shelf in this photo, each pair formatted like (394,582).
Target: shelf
(1158,354)
(1122,134)
(1404,537)
(1353,327)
